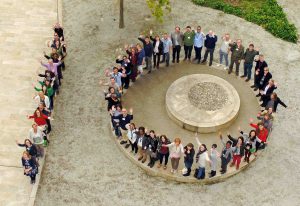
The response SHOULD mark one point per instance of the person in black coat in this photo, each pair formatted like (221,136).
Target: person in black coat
(30,148)
(264,80)
(112,98)
(151,144)
(158,49)
(259,70)
(189,153)
(126,67)
(265,94)
(273,102)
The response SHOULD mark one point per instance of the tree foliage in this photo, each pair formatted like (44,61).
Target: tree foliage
(158,8)
(267,14)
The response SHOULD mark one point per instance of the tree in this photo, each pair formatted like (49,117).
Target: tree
(158,8)
(121,20)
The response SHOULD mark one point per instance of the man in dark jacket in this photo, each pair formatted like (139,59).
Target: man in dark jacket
(237,54)
(249,56)
(264,80)
(151,145)
(259,70)
(148,48)
(123,120)
(210,44)
(226,155)
(177,41)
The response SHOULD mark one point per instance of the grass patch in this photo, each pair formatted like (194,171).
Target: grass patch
(266,13)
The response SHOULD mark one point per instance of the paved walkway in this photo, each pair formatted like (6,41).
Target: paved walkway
(24,28)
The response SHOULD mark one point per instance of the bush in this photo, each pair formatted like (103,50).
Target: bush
(269,15)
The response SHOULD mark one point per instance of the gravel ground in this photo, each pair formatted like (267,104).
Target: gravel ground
(84,167)
(208,96)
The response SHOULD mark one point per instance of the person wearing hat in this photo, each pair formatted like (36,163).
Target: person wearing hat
(226,154)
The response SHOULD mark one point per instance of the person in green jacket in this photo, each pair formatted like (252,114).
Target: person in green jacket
(237,54)
(188,41)
(47,88)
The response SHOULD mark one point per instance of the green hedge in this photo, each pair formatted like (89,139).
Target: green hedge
(267,14)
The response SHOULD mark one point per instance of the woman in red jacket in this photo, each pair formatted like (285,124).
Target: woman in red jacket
(262,133)
(39,119)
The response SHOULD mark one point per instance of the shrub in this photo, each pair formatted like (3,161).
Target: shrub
(269,15)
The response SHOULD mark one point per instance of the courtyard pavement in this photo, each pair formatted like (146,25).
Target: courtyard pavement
(25,26)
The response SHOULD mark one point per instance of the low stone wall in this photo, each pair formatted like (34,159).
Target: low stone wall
(155,172)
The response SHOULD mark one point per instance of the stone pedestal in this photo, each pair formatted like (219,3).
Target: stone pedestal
(202,103)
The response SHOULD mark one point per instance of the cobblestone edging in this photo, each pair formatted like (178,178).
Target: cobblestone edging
(38,177)
(178,177)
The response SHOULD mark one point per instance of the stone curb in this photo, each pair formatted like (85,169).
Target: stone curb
(178,177)
(38,177)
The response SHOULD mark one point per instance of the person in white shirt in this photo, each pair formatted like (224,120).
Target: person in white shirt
(201,159)
(42,98)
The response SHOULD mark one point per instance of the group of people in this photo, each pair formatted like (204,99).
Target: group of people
(159,148)
(46,88)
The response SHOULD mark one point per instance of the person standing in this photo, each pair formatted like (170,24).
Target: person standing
(201,158)
(214,154)
(273,102)
(123,120)
(177,41)
(210,44)
(30,166)
(237,54)
(152,147)
(188,41)
(167,49)
(176,150)
(238,150)
(226,154)
(142,140)
(224,50)
(198,44)
(248,63)
(163,152)
(158,48)
(189,154)
(259,70)
(148,48)
(132,137)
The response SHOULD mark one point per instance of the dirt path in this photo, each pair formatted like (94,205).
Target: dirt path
(84,167)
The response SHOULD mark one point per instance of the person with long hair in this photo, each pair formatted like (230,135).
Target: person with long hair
(163,152)
(238,150)
(201,158)
(30,166)
(189,154)
(274,102)
(251,140)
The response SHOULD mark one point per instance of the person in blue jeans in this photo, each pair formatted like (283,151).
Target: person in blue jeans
(249,56)
(201,158)
(189,154)
(224,50)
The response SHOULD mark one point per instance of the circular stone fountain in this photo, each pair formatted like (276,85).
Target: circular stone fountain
(202,103)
